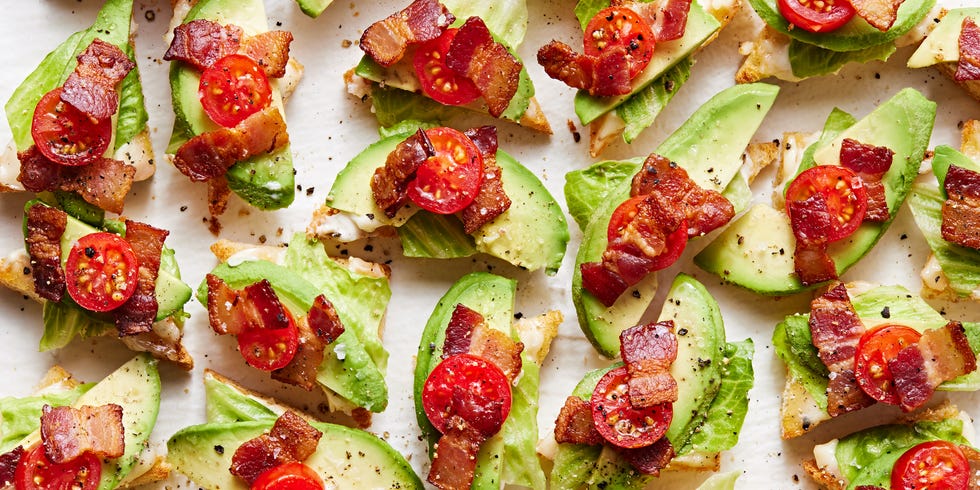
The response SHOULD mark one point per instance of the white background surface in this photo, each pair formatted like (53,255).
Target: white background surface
(327,128)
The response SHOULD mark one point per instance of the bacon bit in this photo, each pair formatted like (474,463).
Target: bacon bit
(968,67)
(836,330)
(387,40)
(602,76)
(389,184)
(870,163)
(644,237)
(319,328)
(491,200)
(454,462)
(574,424)
(8,465)
(103,183)
(291,440)
(961,210)
(324,320)
(459,332)
(137,314)
(202,42)
(45,225)
(67,432)
(270,50)
(811,223)
(940,355)
(211,154)
(218,194)
(495,72)
(667,18)
(648,352)
(233,311)
(498,348)
(91,88)
(649,460)
(881,14)
(704,209)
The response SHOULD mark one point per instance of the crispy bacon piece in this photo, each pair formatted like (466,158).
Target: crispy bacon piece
(649,460)
(459,332)
(811,223)
(648,351)
(103,183)
(881,14)
(387,40)
(605,75)
(575,425)
(8,465)
(68,432)
(91,88)
(454,462)
(291,440)
(389,184)
(495,72)
(211,154)
(233,311)
(667,18)
(45,225)
(940,355)
(202,42)
(498,348)
(704,209)
(218,194)
(320,327)
(968,67)
(270,50)
(870,163)
(836,330)
(137,314)
(491,200)
(961,211)
(324,320)
(607,286)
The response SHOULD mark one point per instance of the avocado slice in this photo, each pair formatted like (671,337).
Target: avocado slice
(756,251)
(265,181)
(499,461)
(709,146)
(313,8)
(516,236)
(942,45)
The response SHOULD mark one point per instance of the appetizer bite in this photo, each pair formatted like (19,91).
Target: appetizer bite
(476,386)
(447,194)
(637,55)
(931,449)
(637,216)
(862,344)
(675,402)
(98,276)
(84,436)
(309,319)
(79,121)
(832,202)
(430,57)
(229,76)
(810,38)
(953,48)
(252,441)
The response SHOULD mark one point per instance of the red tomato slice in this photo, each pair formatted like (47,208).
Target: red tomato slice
(448,181)
(234,88)
(101,271)
(620,26)
(616,419)
(36,472)
(676,240)
(469,387)
(876,348)
(67,135)
(267,348)
(847,200)
(288,476)
(438,81)
(934,465)
(816,15)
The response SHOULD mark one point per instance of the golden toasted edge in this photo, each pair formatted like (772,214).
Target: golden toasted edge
(971,87)
(757,52)
(57,375)
(825,480)
(758,156)
(543,327)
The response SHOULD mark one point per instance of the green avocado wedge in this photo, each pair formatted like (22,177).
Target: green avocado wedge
(313,8)
(265,181)
(709,145)
(344,457)
(756,251)
(942,45)
(502,459)
(713,378)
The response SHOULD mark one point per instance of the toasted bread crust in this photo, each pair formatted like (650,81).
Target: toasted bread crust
(971,87)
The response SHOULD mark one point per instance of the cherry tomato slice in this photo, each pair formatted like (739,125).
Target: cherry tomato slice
(288,476)
(234,88)
(620,26)
(67,135)
(448,181)
(101,271)
(36,472)
(676,240)
(616,419)
(816,15)
(438,81)
(934,465)
(847,200)
(469,387)
(269,349)
(876,347)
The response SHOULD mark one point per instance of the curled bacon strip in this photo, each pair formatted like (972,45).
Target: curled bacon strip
(137,314)
(940,355)
(270,50)
(91,88)
(603,75)
(836,330)
(649,460)
(454,462)
(575,425)
(459,332)
(667,18)
(320,327)
(8,465)
(389,184)
(495,72)
(811,223)
(211,154)
(961,210)
(202,42)
(968,67)
(648,351)
(67,432)
(103,183)
(45,225)
(491,200)
(870,163)
(704,209)
(233,311)
(291,440)
(387,40)
(879,13)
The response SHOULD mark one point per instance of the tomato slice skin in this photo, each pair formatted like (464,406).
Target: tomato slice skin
(805,14)
(449,180)
(847,199)
(676,241)
(621,26)
(438,81)
(469,387)
(267,348)
(876,347)
(36,472)
(233,88)
(616,419)
(933,465)
(288,476)
(102,271)
(66,135)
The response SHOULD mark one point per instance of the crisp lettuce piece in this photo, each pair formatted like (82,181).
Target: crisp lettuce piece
(585,10)
(587,190)
(945,156)
(521,438)
(643,107)
(395,107)
(63,322)
(807,60)
(19,417)
(131,117)
(794,346)
(837,122)
(226,404)
(961,265)
(435,236)
(723,420)
(506,19)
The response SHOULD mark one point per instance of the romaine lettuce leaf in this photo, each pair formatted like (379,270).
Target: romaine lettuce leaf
(643,107)
(945,156)
(723,419)
(521,437)
(64,321)
(392,107)
(807,60)
(19,417)
(506,19)
(586,190)
(960,265)
(225,404)
(434,236)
